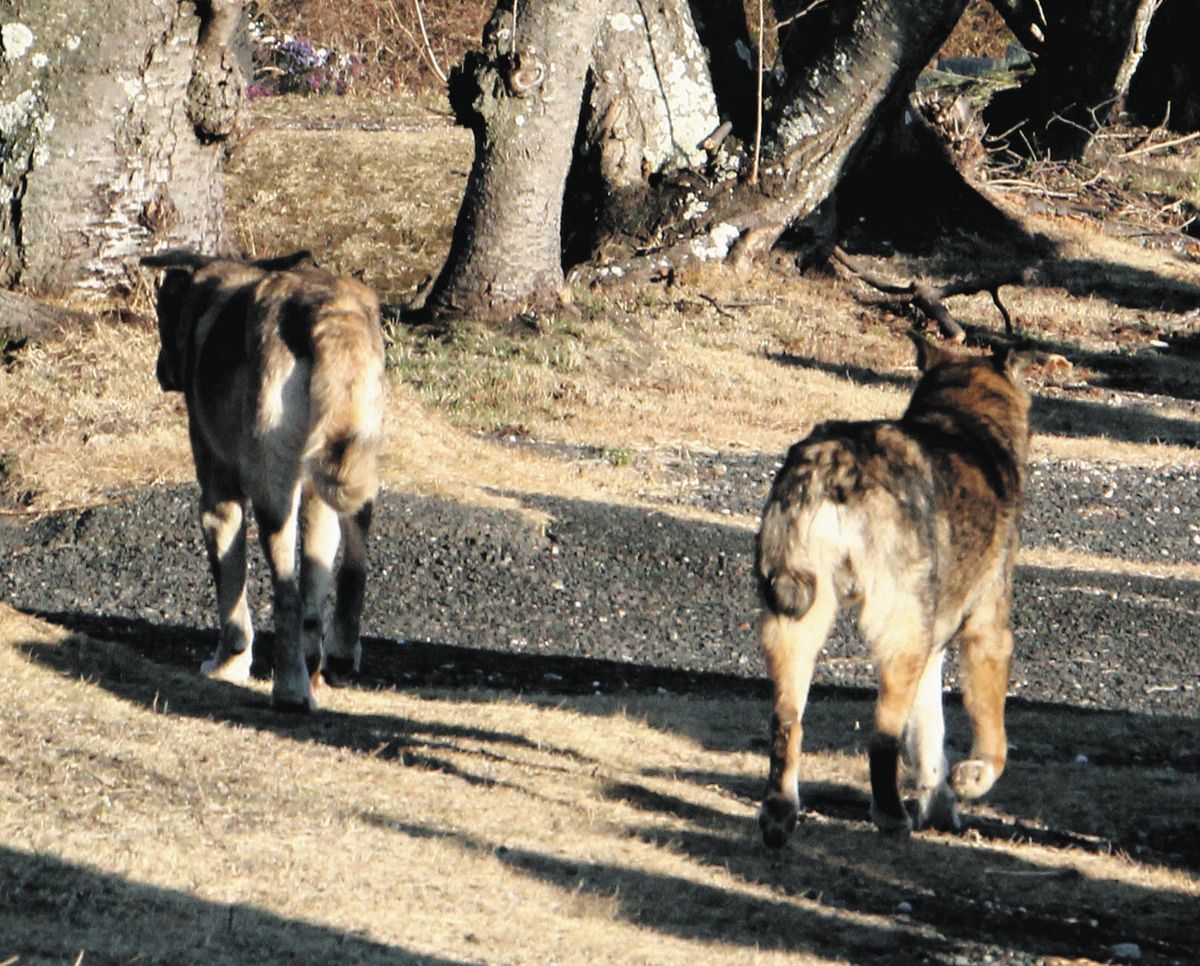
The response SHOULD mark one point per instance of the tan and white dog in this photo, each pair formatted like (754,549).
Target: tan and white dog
(915,522)
(281,366)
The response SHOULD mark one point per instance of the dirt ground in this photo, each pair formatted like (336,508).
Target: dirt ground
(147,813)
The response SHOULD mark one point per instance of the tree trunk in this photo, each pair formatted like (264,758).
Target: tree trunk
(1167,83)
(520,95)
(651,103)
(864,61)
(111,120)
(649,106)
(1084,67)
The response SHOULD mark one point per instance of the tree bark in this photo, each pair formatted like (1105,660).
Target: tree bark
(1166,85)
(1084,67)
(643,131)
(649,106)
(520,95)
(865,64)
(111,124)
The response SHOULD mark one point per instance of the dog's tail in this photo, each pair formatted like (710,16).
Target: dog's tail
(786,589)
(346,396)
(802,535)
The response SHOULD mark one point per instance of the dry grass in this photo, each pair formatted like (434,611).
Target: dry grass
(564,830)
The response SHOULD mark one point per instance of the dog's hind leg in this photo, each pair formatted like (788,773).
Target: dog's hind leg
(223,522)
(277,526)
(790,645)
(925,753)
(900,636)
(344,649)
(985,653)
(319,539)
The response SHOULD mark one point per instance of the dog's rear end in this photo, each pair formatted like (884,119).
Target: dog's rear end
(330,325)
(282,368)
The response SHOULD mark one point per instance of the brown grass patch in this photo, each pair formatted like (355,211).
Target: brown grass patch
(562,829)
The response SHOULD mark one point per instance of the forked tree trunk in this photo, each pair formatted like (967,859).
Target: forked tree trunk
(865,58)
(110,131)
(649,105)
(507,247)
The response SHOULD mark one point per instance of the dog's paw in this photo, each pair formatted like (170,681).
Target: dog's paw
(293,701)
(889,824)
(937,808)
(338,671)
(777,819)
(224,666)
(972,778)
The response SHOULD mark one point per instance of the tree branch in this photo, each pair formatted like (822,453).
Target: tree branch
(928,298)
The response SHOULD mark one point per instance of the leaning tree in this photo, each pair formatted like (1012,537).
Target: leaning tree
(114,121)
(602,127)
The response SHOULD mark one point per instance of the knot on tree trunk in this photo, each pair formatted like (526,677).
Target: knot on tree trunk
(524,73)
(214,94)
(214,97)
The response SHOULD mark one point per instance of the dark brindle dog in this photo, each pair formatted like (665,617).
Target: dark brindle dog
(915,521)
(281,366)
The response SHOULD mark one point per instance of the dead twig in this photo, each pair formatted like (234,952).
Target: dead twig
(928,298)
(758,101)
(1147,148)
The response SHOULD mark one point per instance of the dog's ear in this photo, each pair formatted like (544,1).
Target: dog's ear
(182,258)
(1012,361)
(281,263)
(930,354)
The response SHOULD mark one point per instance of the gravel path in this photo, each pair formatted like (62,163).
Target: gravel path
(608,587)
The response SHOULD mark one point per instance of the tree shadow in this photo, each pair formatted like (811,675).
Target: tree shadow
(123,671)
(51,910)
(838,856)
(669,905)
(1058,416)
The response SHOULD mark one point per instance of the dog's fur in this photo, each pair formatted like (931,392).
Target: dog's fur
(281,366)
(915,522)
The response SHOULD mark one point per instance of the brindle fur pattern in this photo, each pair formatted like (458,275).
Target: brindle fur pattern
(914,522)
(281,366)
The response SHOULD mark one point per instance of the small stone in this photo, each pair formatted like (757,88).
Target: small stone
(904,908)
(1126,951)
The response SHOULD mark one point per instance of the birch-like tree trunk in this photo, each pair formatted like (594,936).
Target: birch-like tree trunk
(112,118)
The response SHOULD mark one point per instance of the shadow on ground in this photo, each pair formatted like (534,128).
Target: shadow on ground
(53,911)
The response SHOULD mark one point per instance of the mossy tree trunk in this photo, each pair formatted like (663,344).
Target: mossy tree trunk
(114,118)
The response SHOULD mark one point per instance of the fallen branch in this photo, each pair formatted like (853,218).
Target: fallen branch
(928,298)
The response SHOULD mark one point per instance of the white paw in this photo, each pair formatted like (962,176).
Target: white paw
(234,668)
(972,778)
(937,808)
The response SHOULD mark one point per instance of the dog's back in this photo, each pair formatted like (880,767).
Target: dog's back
(915,521)
(936,492)
(281,365)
